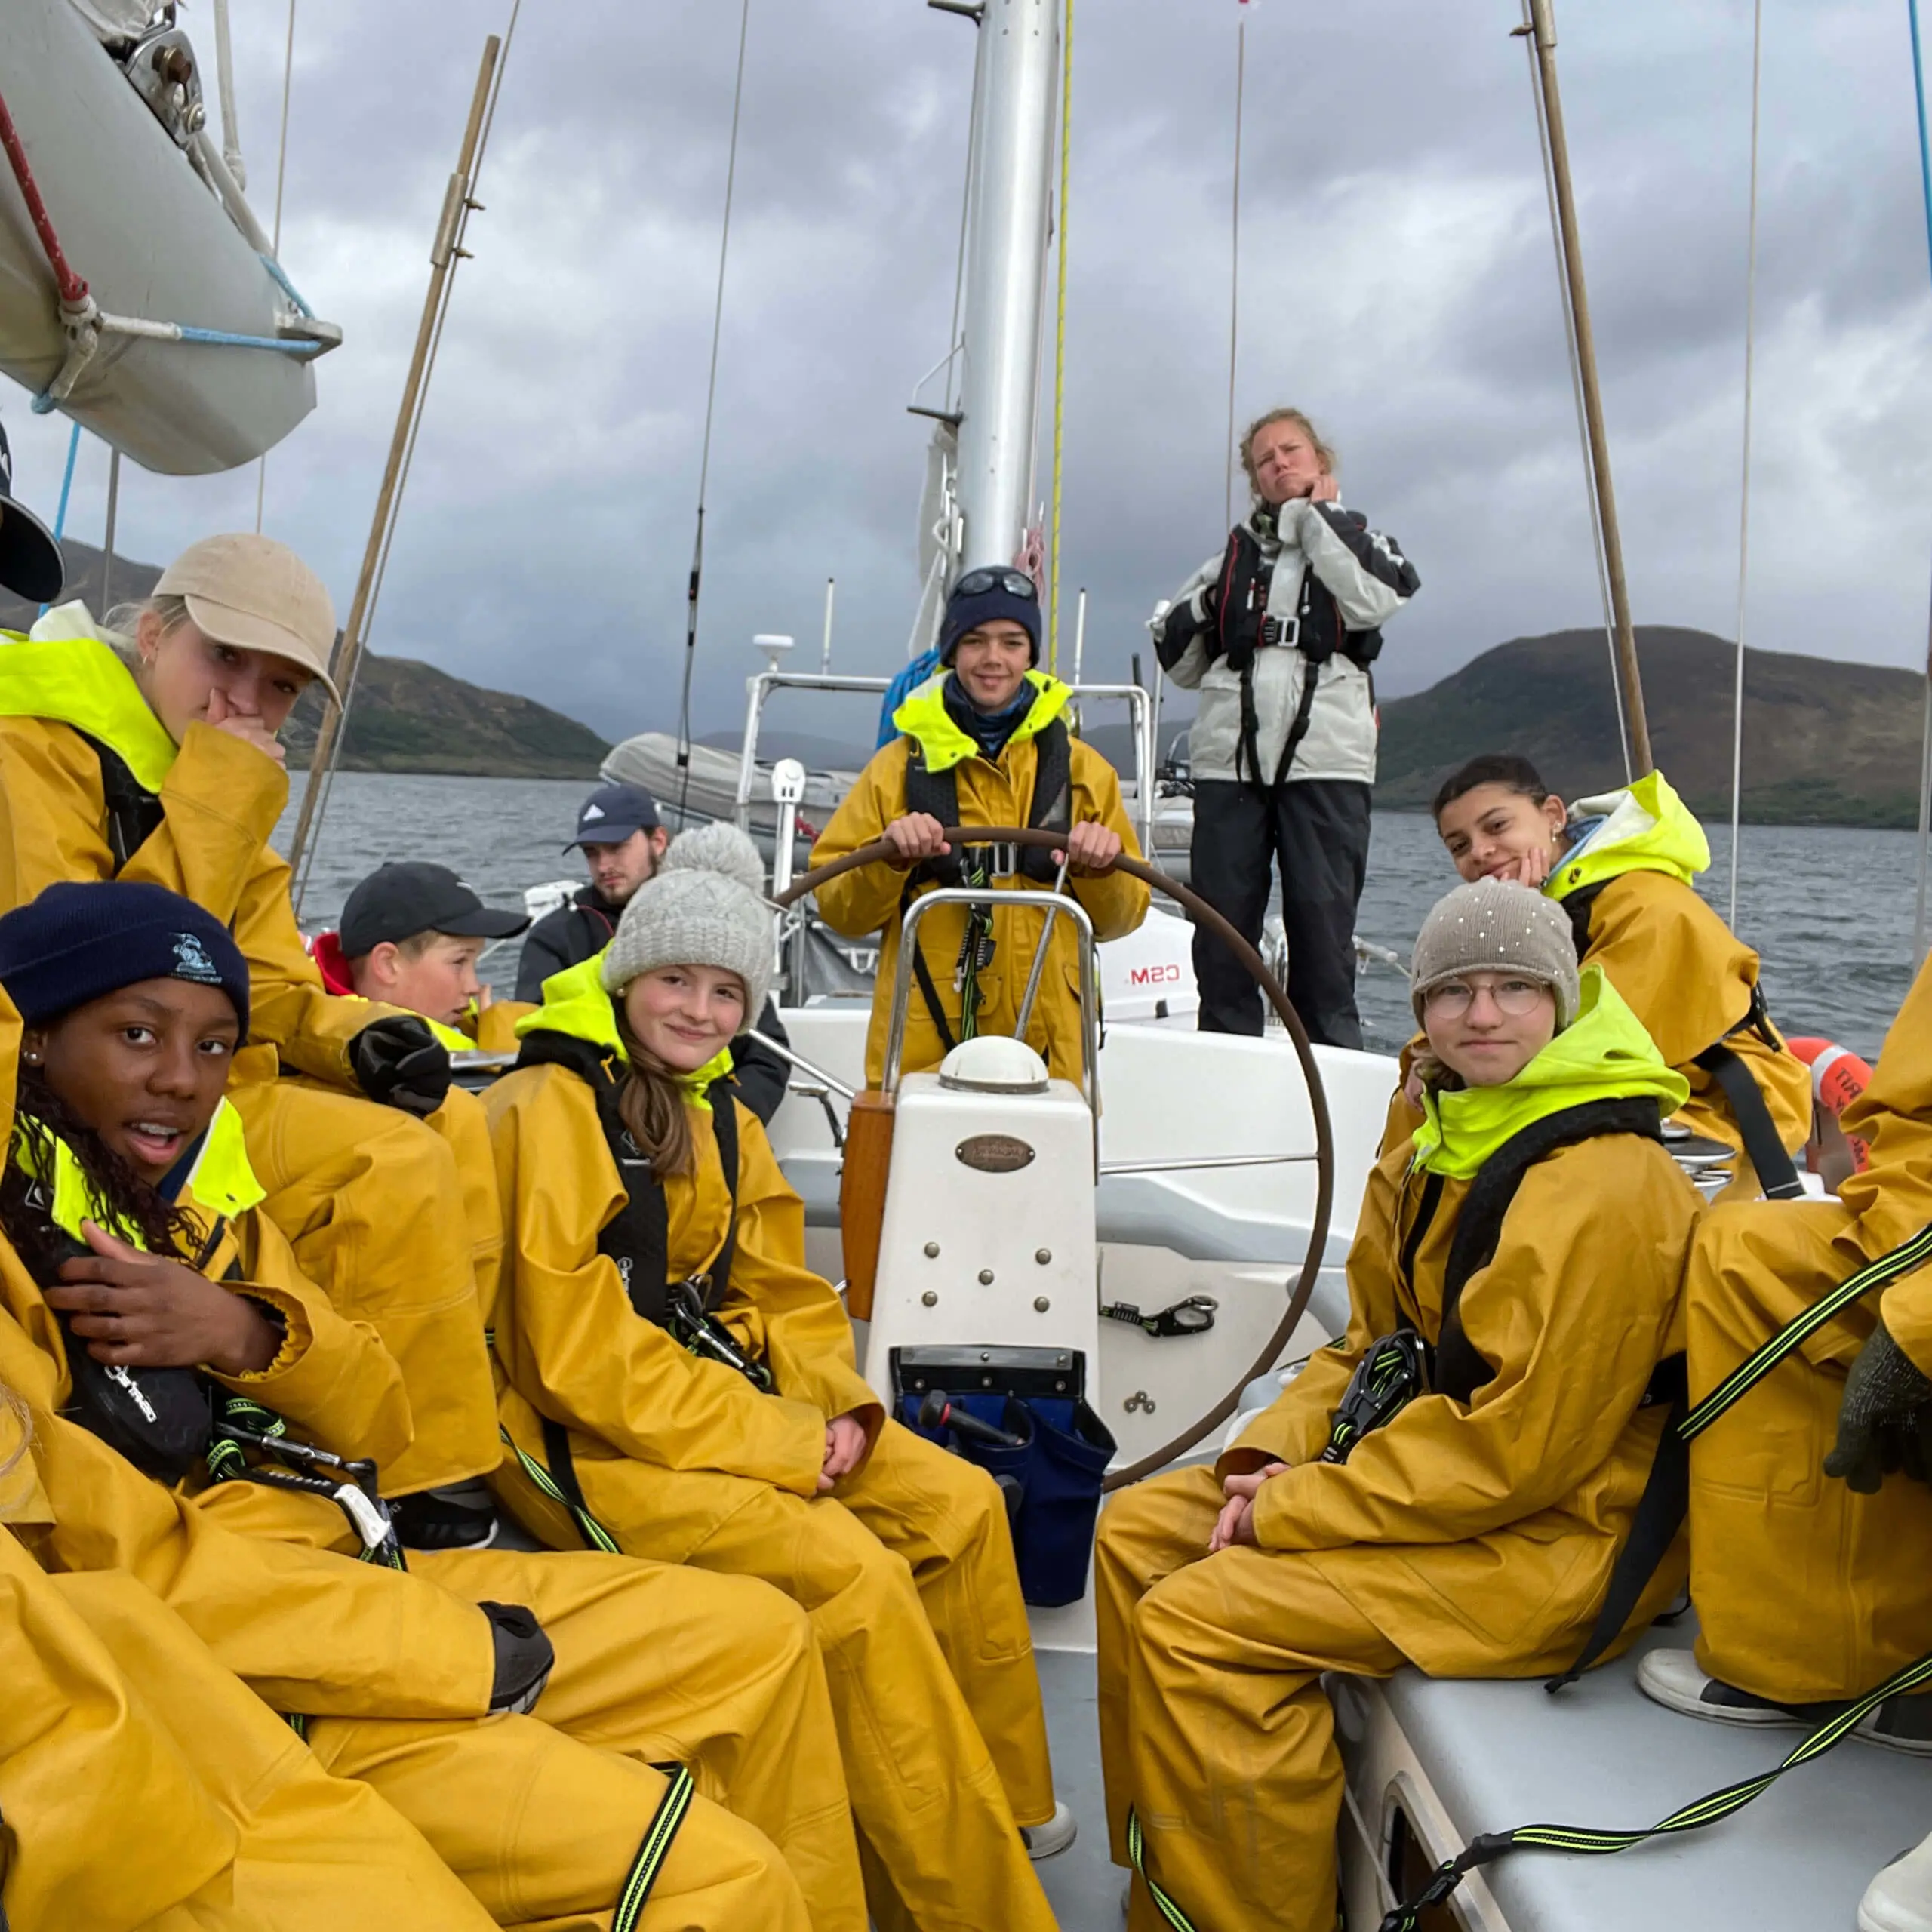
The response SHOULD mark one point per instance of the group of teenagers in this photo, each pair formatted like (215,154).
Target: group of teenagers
(277,1297)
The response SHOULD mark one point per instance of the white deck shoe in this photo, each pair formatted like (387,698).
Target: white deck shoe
(1674,1679)
(1050,1840)
(1899,1900)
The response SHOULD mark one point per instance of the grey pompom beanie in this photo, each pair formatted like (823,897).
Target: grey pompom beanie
(1491,926)
(704,906)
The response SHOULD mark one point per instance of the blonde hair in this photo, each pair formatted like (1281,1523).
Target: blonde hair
(651,1104)
(1326,455)
(120,629)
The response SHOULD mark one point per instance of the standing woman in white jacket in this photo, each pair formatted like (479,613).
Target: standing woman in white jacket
(1278,632)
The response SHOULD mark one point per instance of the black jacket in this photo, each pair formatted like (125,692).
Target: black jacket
(573,932)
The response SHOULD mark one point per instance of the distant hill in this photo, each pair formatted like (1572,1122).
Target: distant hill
(408,716)
(1826,742)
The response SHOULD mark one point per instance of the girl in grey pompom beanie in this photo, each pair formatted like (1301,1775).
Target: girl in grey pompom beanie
(704,906)
(1491,926)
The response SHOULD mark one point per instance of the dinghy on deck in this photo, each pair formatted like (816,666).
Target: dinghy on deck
(187,349)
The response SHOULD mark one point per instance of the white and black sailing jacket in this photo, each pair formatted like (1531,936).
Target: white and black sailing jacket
(1369,580)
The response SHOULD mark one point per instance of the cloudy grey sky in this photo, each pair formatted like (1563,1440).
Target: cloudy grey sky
(1397,281)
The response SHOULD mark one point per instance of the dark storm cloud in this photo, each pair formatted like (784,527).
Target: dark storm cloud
(1396,280)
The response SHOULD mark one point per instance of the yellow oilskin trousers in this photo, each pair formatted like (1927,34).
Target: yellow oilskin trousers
(1892,1199)
(374,1206)
(1471,1540)
(355,1186)
(540,1816)
(1805,1590)
(867,901)
(906,1570)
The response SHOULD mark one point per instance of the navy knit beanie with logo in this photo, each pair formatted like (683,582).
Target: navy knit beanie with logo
(77,943)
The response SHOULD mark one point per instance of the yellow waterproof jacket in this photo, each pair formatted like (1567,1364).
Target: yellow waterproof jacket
(333,1381)
(82,1759)
(1480,1538)
(1685,974)
(220,799)
(568,1339)
(868,900)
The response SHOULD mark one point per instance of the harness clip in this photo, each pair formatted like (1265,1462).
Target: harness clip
(371,1522)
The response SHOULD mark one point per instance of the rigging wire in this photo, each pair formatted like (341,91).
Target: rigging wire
(1925,752)
(1744,487)
(1576,398)
(1059,327)
(710,409)
(305,858)
(281,179)
(1234,279)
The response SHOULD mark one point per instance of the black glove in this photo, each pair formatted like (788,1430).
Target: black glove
(401,1063)
(524,1656)
(1884,1419)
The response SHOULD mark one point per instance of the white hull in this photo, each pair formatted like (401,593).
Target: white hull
(153,242)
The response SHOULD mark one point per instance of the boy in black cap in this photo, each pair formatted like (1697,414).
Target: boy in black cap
(411,935)
(622,839)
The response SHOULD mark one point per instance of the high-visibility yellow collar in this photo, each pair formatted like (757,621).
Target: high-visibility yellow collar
(80,681)
(221,1185)
(1646,828)
(924,718)
(1604,1054)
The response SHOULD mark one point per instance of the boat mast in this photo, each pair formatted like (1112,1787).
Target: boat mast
(1013,108)
(1540,25)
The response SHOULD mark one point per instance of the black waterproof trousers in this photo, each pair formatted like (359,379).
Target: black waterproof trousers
(1316,830)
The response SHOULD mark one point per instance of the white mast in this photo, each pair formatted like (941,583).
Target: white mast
(1006,254)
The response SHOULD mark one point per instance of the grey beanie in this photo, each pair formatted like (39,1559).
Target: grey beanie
(704,906)
(1491,926)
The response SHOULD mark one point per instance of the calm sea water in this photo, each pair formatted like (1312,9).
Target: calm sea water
(1831,911)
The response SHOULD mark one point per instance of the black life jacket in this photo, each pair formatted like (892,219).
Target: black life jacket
(1241,625)
(1050,810)
(134,813)
(638,1237)
(1458,1368)
(1777,1173)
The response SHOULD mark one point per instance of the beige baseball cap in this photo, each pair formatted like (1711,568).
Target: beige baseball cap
(257,595)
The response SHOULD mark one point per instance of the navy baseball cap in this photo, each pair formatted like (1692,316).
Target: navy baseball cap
(30,562)
(398,901)
(610,817)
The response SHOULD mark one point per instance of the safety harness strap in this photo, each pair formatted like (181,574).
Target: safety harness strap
(1137,1850)
(638,1237)
(1777,1174)
(671,1812)
(134,813)
(1708,1809)
(563,1489)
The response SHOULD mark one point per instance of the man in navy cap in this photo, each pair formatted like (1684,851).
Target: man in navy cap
(622,839)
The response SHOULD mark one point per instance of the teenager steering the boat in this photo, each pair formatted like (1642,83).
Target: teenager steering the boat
(1448,1486)
(167,770)
(138,1259)
(1278,631)
(680,1385)
(984,743)
(1621,867)
(623,840)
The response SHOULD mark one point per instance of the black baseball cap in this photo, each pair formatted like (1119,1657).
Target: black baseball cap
(398,901)
(609,817)
(30,562)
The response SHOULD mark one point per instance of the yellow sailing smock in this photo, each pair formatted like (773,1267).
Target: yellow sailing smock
(905,1569)
(373,1201)
(1471,1540)
(991,792)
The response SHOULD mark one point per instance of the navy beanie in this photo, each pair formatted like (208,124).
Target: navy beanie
(967,613)
(76,943)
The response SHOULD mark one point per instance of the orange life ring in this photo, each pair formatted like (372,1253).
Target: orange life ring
(1838,1076)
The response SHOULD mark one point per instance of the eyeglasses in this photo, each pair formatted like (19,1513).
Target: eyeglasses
(1452,999)
(982,582)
